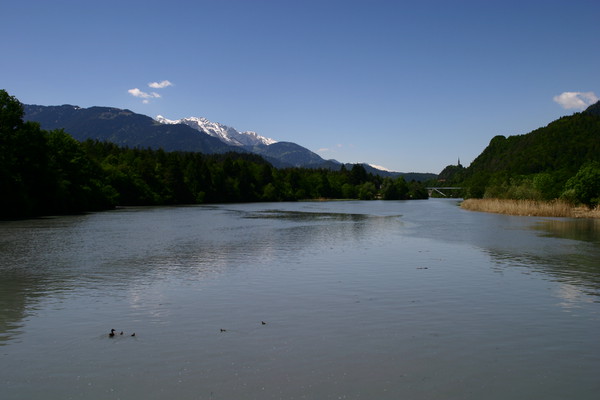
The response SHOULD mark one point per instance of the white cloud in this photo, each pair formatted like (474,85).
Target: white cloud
(160,85)
(579,100)
(135,92)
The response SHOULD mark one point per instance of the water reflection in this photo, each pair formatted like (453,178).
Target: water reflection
(131,248)
(13,303)
(580,263)
(312,216)
(572,296)
(563,250)
(585,229)
(573,269)
(365,299)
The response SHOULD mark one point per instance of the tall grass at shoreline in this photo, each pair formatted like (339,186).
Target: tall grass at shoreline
(554,208)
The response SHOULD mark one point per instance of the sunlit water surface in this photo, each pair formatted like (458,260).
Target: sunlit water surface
(361,300)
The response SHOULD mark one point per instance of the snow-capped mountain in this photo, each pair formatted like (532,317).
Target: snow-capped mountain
(225,133)
(126,128)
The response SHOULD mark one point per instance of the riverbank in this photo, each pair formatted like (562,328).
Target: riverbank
(554,208)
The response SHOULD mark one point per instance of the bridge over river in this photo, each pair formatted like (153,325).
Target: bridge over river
(450,191)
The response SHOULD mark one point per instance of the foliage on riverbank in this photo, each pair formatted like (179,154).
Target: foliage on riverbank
(558,161)
(554,208)
(43,173)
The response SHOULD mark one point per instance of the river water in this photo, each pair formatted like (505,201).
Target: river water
(360,300)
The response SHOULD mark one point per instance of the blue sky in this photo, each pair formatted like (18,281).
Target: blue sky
(407,85)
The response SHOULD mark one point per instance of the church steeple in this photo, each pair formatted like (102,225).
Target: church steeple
(459,162)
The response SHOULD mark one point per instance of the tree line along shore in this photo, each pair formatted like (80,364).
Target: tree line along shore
(552,171)
(49,172)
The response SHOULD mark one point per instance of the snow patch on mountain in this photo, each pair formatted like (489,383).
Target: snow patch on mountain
(381,168)
(225,133)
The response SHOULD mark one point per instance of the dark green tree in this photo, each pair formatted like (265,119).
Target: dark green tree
(24,169)
(358,174)
(584,187)
(394,189)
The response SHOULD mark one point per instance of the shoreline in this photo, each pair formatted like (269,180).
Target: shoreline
(530,208)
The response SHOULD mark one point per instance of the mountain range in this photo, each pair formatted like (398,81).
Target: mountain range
(126,128)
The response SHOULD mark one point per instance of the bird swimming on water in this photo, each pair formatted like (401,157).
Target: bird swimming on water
(112,333)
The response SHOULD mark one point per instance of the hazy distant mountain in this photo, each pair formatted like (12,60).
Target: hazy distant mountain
(291,153)
(408,176)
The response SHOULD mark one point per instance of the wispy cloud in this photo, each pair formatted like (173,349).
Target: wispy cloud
(160,85)
(329,149)
(573,100)
(135,92)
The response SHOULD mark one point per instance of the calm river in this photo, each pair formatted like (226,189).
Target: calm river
(360,300)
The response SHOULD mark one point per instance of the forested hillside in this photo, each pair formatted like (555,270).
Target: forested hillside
(49,172)
(561,160)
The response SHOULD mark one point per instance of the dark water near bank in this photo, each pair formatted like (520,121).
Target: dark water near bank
(361,300)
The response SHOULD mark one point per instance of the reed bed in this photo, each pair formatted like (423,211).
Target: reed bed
(554,208)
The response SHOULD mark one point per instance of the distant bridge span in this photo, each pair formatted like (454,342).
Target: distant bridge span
(439,189)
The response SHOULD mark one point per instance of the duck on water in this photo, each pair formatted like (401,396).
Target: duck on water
(113,334)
